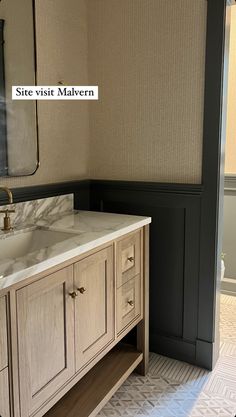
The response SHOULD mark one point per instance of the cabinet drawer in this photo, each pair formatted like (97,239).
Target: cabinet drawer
(128,258)
(3,334)
(4,394)
(129,305)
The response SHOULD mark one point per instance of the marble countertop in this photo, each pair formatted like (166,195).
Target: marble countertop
(87,229)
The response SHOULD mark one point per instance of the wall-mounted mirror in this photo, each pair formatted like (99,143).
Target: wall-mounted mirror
(18,119)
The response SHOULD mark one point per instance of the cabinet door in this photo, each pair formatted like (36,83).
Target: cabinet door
(45,324)
(3,334)
(94,307)
(4,394)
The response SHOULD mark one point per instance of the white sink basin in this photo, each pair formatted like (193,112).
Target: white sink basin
(15,246)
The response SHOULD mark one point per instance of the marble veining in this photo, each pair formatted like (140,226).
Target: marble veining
(86,230)
(30,211)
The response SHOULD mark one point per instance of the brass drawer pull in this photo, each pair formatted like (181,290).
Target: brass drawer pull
(131,303)
(81,290)
(73,294)
(131,258)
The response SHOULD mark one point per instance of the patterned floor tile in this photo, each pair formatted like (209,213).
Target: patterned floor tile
(151,396)
(212,405)
(228,323)
(227,299)
(176,370)
(228,349)
(177,389)
(223,379)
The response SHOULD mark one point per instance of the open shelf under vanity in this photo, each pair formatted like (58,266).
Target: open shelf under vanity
(93,391)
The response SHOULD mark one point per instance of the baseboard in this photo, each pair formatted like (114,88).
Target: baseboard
(207,354)
(174,347)
(203,354)
(228,286)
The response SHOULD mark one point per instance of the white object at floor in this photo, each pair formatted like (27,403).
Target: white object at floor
(222,269)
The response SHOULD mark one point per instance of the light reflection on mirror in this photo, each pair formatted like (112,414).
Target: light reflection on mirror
(18,119)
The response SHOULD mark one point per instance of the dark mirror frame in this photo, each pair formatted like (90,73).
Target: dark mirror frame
(4,166)
(3,121)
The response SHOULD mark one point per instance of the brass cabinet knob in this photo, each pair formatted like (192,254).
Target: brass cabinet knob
(73,294)
(81,290)
(131,303)
(131,258)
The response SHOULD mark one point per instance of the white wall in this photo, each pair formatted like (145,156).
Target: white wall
(229,239)
(230,157)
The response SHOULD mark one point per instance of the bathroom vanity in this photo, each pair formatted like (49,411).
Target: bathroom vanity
(65,309)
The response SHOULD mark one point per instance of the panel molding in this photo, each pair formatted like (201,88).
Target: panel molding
(175,231)
(169,188)
(79,188)
(230,184)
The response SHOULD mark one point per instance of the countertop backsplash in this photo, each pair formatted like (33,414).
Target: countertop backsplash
(30,211)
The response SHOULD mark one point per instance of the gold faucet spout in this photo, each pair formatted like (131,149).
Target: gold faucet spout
(9,194)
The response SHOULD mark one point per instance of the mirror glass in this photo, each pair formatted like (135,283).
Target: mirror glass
(18,119)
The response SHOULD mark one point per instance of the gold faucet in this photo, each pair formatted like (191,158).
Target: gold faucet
(7,220)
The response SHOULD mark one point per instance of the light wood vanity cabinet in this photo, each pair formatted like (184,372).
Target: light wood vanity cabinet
(4,394)
(3,334)
(4,370)
(65,326)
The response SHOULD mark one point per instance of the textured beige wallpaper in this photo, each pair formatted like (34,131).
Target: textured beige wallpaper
(230,160)
(148,57)
(63,126)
